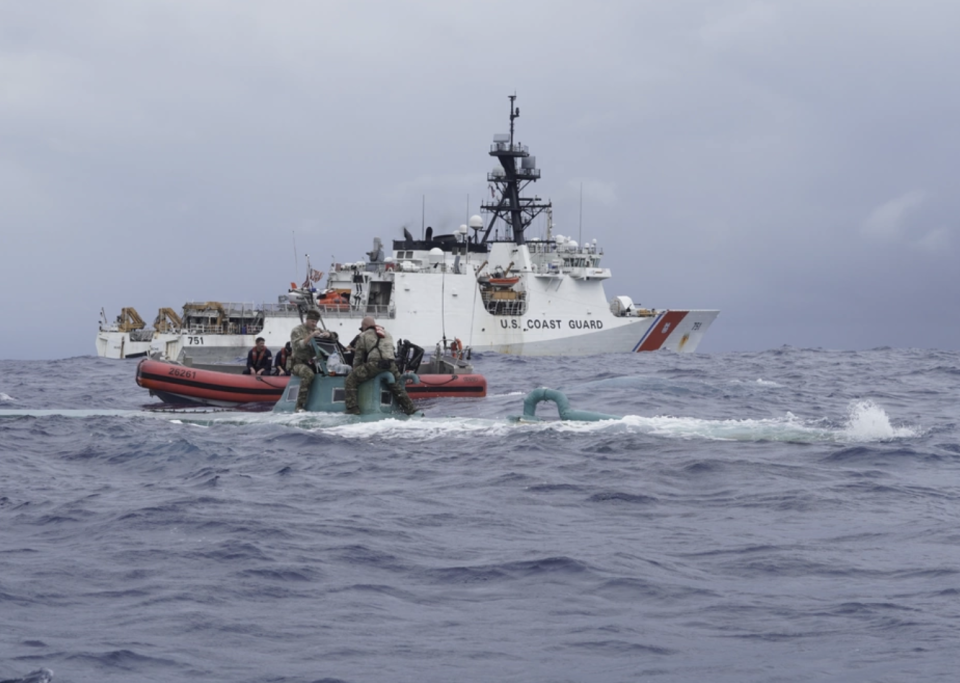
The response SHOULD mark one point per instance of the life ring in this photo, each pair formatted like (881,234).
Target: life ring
(456,348)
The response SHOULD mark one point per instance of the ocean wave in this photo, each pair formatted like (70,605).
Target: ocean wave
(38,676)
(865,422)
(719,517)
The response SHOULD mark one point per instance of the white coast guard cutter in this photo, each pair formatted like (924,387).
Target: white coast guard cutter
(493,290)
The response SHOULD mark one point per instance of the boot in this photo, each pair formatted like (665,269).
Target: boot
(302,397)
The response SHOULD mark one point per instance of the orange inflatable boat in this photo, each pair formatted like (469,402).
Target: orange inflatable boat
(182,385)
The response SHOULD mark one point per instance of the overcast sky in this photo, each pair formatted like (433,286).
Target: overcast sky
(794,164)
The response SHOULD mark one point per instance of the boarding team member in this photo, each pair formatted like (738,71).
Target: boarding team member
(258,359)
(302,354)
(280,362)
(375,354)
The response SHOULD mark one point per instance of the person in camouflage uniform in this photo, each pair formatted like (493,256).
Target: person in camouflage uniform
(302,354)
(375,354)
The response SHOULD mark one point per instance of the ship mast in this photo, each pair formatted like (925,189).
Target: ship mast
(509,179)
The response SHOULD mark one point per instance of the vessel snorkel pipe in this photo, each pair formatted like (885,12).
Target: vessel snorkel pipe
(563,407)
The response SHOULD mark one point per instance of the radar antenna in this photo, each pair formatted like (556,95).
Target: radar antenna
(508,180)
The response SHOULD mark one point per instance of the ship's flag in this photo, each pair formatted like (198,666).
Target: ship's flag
(315,275)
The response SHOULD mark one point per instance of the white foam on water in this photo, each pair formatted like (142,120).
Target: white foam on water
(72,413)
(226,417)
(866,422)
(869,422)
(767,383)
(5,397)
(787,428)
(759,382)
(426,429)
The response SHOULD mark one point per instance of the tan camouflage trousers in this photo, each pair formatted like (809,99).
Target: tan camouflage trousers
(306,375)
(367,371)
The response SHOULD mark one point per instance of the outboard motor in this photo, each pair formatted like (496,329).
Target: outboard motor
(409,356)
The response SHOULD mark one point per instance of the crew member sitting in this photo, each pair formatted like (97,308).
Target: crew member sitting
(302,354)
(258,359)
(374,354)
(280,363)
(351,351)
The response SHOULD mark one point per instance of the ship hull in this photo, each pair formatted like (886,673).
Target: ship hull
(116,345)
(560,315)
(545,330)
(636,335)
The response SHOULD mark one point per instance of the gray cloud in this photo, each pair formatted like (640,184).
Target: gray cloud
(793,164)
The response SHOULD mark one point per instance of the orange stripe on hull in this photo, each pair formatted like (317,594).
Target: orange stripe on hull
(659,334)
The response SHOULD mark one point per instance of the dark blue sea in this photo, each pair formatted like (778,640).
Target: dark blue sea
(790,515)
